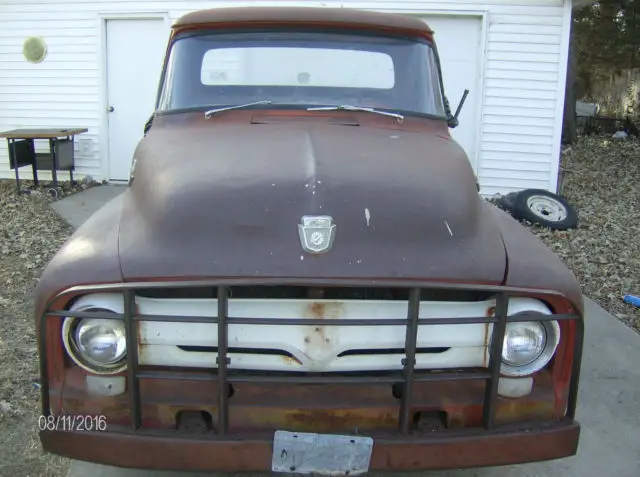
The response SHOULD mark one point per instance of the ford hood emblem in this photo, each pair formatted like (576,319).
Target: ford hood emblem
(316,233)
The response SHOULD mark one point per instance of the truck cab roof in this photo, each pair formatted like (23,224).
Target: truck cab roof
(260,16)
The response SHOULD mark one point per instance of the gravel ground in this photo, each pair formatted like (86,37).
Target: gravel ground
(30,234)
(603,184)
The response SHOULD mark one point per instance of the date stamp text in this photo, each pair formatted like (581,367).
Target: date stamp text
(72,422)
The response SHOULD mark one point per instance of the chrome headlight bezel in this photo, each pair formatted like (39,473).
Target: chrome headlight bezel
(80,358)
(552,340)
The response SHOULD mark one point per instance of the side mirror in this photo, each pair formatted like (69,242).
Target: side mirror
(453,121)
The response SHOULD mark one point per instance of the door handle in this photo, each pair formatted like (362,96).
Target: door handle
(110,109)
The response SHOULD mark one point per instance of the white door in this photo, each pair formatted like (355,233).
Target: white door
(458,40)
(135,52)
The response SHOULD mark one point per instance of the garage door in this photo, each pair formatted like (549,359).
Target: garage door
(458,39)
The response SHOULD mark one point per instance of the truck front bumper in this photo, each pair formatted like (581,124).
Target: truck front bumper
(254,453)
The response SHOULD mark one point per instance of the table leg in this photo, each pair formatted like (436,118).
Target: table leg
(34,164)
(12,145)
(54,162)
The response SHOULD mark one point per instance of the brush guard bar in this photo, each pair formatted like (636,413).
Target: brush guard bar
(407,376)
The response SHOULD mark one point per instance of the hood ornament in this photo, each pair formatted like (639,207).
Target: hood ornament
(316,233)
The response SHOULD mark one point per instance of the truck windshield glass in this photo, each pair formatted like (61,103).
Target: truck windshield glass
(302,69)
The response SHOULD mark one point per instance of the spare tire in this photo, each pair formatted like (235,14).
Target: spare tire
(545,208)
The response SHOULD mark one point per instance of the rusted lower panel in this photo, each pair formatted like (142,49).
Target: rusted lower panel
(326,408)
(253,453)
(323,420)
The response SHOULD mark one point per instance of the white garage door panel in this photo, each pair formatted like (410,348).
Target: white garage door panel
(458,40)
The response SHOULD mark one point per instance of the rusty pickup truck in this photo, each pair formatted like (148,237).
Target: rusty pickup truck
(302,276)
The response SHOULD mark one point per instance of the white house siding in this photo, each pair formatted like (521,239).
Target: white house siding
(525,53)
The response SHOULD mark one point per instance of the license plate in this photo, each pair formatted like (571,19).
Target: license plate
(323,454)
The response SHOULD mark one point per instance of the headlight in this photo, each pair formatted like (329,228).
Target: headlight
(101,341)
(528,346)
(523,343)
(96,345)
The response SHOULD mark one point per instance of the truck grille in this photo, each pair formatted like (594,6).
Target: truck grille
(406,373)
(325,347)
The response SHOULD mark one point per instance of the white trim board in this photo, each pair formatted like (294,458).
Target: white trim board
(560,95)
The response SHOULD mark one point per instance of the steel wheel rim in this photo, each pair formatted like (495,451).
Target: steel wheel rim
(547,208)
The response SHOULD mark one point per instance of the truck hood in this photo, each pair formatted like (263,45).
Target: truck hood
(224,199)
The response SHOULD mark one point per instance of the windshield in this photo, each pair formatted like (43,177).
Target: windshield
(302,69)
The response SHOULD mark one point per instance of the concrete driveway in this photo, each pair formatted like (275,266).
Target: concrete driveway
(609,401)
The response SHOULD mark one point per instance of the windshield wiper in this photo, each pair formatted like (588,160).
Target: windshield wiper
(211,112)
(347,107)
